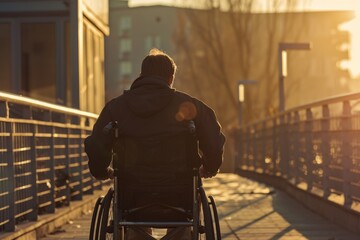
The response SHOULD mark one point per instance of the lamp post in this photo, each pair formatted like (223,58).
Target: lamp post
(282,60)
(241,98)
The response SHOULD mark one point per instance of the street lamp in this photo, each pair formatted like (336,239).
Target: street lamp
(282,58)
(241,97)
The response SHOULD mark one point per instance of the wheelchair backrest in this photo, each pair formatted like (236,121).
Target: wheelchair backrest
(157,169)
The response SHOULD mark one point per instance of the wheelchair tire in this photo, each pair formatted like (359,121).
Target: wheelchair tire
(207,218)
(95,220)
(215,218)
(106,225)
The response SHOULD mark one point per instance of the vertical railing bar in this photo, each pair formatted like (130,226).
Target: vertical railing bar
(309,149)
(82,135)
(346,160)
(255,150)
(287,145)
(51,207)
(251,145)
(292,146)
(263,146)
(283,147)
(247,160)
(10,226)
(325,149)
(34,203)
(80,159)
(67,164)
(296,143)
(238,148)
(274,147)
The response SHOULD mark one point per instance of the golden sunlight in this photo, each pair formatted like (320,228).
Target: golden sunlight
(312,5)
(352,26)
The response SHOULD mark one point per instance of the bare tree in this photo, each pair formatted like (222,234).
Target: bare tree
(221,42)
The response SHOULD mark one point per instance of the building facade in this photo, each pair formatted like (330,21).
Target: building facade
(134,31)
(313,74)
(54,51)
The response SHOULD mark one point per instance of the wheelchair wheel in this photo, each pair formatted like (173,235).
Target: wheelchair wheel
(107,223)
(206,217)
(215,218)
(95,220)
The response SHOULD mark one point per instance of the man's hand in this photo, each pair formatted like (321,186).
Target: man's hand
(205,174)
(110,172)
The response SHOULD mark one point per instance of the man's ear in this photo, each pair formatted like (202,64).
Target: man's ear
(171,80)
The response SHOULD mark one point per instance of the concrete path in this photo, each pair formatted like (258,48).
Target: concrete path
(247,210)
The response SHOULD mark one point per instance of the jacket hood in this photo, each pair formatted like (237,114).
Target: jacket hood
(148,96)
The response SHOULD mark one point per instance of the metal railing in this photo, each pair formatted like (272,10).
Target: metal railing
(42,160)
(315,147)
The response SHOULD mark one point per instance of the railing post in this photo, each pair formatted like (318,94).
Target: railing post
(10,226)
(309,149)
(284,156)
(51,207)
(67,166)
(27,114)
(241,147)
(288,145)
(247,161)
(81,177)
(263,146)
(255,136)
(346,160)
(325,149)
(296,142)
(238,147)
(274,147)
(34,214)
(84,123)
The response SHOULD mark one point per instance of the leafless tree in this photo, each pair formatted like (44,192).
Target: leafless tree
(221,42)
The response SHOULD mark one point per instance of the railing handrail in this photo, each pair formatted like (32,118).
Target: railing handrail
(322,102)
(45,105)
(327,101)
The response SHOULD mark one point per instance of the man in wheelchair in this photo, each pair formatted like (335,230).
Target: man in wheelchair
(159,135)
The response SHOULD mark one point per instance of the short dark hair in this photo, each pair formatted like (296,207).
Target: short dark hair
(158,63)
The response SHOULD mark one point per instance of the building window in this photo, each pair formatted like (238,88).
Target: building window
(38,60)
(125,46)
(148,43)
(157,41)
(68,65)
(5,57)
(124,24)
(125,68)
(93,84)
(152,42)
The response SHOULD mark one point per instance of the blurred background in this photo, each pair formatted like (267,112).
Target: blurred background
(227,51)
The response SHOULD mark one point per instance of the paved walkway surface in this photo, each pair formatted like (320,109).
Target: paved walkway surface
(247,210)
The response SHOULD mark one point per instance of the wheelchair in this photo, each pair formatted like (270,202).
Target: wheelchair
(156,186)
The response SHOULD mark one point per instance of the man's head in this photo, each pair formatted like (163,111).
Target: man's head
(158,63)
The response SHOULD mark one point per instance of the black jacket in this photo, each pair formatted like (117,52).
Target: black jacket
(151,108)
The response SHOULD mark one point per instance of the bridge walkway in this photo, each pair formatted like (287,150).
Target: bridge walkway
(248,210)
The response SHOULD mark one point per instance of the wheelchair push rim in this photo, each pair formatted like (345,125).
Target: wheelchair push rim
(94,226)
